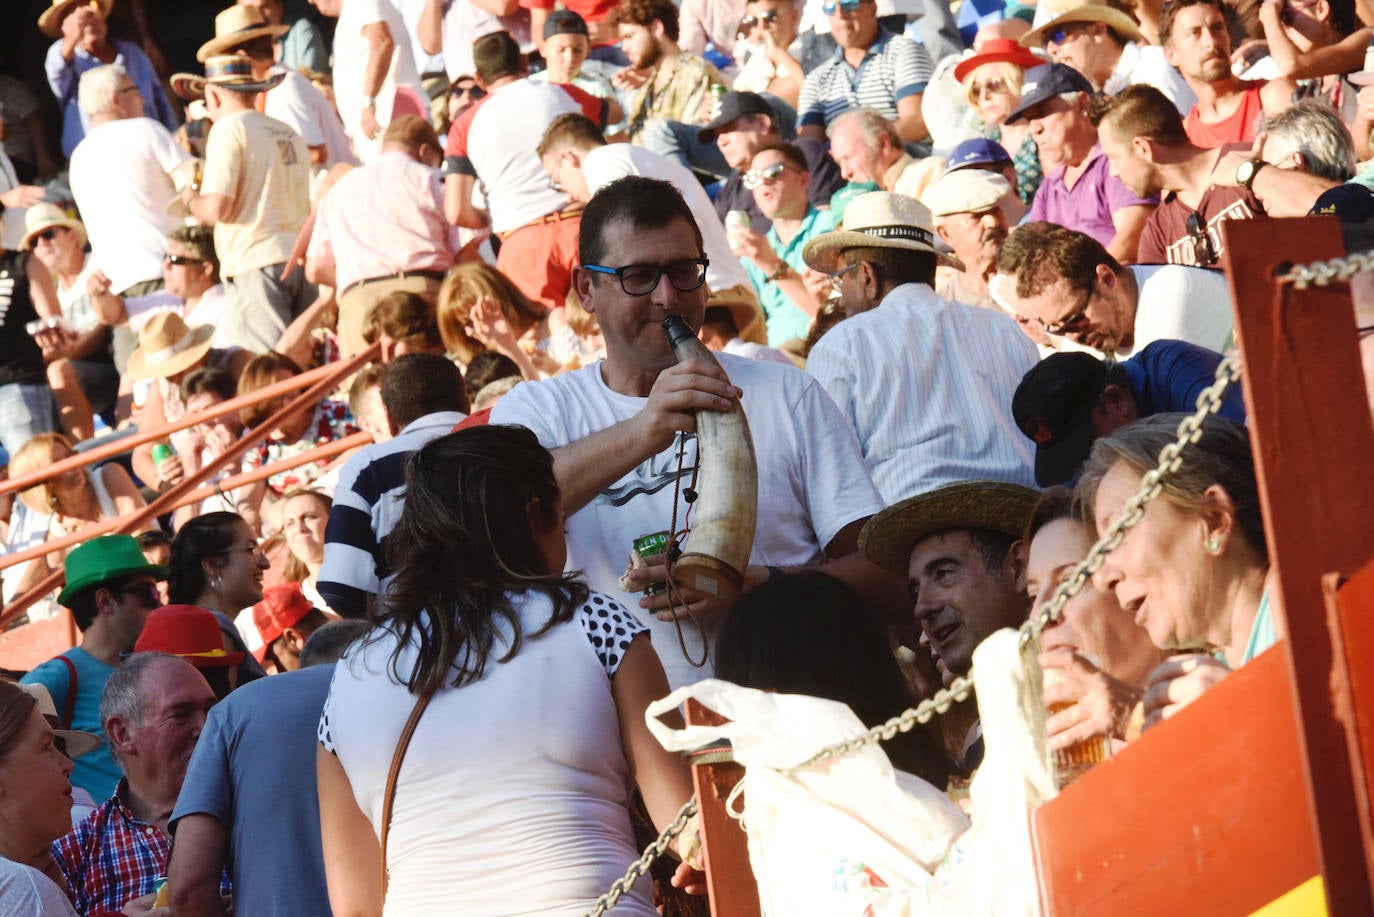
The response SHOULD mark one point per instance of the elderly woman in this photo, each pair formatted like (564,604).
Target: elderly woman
(1195,570)
(35,807)
(1100,659)
(992,83)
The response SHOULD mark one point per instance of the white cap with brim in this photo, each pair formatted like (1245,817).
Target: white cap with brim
(965,191)
(76,741)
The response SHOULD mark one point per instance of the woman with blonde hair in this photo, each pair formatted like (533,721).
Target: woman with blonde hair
(481,309)
(992,84)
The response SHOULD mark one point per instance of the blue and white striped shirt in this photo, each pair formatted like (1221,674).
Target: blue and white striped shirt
(927,385)
(894,67)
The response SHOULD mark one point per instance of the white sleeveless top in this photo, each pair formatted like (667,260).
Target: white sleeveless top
(513,796)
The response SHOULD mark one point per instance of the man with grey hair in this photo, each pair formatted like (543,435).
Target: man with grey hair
(867,147)
(967,208)
(126,220)
(153,709)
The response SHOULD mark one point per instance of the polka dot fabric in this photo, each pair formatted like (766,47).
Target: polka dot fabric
(609,627)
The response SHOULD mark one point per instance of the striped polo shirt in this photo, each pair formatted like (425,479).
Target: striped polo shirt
(894,67)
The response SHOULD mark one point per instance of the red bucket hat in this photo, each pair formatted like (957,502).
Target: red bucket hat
(190,632)
(282,606)
(998,51)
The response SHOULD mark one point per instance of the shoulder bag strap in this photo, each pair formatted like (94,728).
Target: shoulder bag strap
(390,796)
(69,707)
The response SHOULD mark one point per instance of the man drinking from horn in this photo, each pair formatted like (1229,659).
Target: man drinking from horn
(617,429)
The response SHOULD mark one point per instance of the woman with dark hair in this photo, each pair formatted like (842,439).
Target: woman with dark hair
(216,563)
(517,784)
(1194,572)
(35,807)
(809,633)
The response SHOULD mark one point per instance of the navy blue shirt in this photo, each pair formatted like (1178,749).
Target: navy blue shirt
(1168,375)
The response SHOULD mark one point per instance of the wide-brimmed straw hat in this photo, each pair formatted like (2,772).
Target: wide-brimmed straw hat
(187,86)
(50,21)
(235,26)
(1052,13)
(996,506)
(166,346)
(997,51)
(235,73)
(76,742)
(190,632)
(878,219)
(44,216)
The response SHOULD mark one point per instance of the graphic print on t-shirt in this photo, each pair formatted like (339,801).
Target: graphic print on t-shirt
(652,475)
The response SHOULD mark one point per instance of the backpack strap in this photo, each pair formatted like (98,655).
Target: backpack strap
(69,708)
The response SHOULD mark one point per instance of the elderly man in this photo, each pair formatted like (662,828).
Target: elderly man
(255,192)
(84,43)
(153,709)
(614,430)
(1081,192)
(871,68)
(922,423)
(110,590)
(1105,45)
(382,229)
(745,122)
(1064,284)
(1149,150)
(867,148)
(967,206)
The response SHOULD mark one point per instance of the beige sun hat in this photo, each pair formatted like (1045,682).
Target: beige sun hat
(166,346)
(887,538)
(235,26)
(878,219)
(1052,13)
(50,22)
(77,741)
(44,216)
(965,191)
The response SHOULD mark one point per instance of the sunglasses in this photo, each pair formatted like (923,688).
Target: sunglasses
(767,18)
(993,86)
(177,260)
(145,591)
(1074,321)
(1204,252)
(472,91)
(847,6)
(1062,34)
(48,235)
(767,175)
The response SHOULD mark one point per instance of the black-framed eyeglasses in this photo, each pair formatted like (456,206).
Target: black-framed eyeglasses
(1204,252)
(145,591)
(642,279)
(177,260)
(768,17)
(1074,321)
(471,90)
(837,276)
(767,175)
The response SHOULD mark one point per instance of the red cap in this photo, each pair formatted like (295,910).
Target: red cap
(190,632)
(282,606)
(998,51)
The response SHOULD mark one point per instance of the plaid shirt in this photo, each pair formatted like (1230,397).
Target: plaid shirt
(112,856)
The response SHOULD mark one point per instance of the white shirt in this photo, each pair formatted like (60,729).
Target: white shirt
(812,480)
(1179,303)
(752,351)
(1146,64)
(298,104)
(411,10)
(927,385)
(209,310)
(464,22)
(121,178)
(605,164)
(351,52)
(13,235)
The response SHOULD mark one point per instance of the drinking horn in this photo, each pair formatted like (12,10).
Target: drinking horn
(721,536)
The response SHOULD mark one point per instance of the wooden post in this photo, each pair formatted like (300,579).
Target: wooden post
(729,877)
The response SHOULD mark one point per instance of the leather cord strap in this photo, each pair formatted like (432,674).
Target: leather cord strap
(389,799)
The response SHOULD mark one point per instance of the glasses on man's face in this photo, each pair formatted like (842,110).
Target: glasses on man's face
(837,276)
(1204,252)
(830,8)
(145,592)
(1062,34)
(1074,321)
(767,175)
(472,91)
(178,260)
(768,17)
(642,279)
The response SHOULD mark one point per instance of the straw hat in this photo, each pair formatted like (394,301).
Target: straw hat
(166,346)
(1052,13)
(878,219)
(45,216)
(235,26)
(50,22)
(77,742)
(887,538)
(997,51)
(188,86)
(190,632)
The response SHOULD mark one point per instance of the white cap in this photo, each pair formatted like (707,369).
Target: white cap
(964,191)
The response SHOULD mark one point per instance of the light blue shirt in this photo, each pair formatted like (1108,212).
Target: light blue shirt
(95,771)
(64,78)
(785,321)
(1262,633)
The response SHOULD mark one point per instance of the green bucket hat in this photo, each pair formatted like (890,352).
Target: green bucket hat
(105,558)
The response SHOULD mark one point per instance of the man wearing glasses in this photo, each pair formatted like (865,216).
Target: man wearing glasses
(1063,284)
(926,383)
(110,589)
(871,68)
(614,428)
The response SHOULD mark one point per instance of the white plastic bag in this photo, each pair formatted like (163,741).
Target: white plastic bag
(851,835)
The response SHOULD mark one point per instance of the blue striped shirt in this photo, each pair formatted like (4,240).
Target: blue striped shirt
(894,67)
(927,385)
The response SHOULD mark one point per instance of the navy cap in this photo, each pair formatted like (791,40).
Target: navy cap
(732,106)
(979,151)
(1045,82)
(1053,407)
(564,22)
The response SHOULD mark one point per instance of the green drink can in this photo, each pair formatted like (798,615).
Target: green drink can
(647,546)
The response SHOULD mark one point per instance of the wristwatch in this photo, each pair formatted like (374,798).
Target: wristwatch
(1246,172)
(781,271)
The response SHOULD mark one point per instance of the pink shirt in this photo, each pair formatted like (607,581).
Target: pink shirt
(382,219)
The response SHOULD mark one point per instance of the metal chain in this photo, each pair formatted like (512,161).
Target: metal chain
(1322,273)
(642,865)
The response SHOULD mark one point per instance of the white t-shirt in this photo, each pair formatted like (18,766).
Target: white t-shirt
(299,105)
(1181,303)
(605,164)
(750,350)
(350,61)
(465,22)
(126,219)
(501,142)
(26,892)
(13,237)
(1146,64)
(812,479)
(209,310)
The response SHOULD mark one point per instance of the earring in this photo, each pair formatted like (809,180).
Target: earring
(1213,544)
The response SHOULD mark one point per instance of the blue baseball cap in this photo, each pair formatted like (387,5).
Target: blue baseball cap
(979,151)
(1046,82)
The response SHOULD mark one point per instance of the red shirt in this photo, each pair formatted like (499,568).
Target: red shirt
(590,10)
(1239,127)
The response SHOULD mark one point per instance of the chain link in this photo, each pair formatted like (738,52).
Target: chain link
(644,863)
(1323,273)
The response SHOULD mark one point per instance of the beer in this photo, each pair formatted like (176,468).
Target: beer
(1076,760)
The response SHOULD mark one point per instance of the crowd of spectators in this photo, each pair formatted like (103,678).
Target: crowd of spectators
(961,272)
